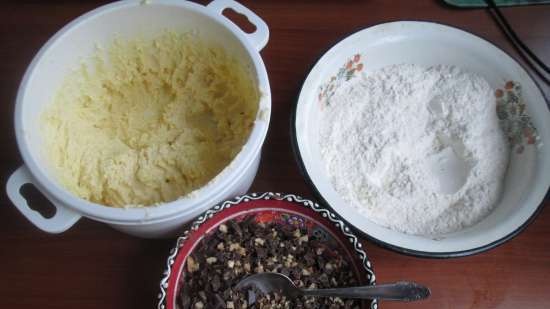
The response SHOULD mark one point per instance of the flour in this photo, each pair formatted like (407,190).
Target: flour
(415,149)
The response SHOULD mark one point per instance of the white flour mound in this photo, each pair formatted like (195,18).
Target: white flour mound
(416,149)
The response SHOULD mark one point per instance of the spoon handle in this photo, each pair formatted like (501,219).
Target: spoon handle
(402,290)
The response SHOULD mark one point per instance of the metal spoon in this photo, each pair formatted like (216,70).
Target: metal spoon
(275,282)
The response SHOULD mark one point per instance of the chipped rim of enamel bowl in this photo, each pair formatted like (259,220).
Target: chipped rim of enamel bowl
(70,207)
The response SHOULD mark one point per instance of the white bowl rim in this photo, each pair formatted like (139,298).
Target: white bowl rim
(164,211)
(401,249)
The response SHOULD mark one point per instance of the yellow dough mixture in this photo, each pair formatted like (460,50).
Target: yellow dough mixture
(149,121)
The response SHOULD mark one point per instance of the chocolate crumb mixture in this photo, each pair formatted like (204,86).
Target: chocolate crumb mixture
(237,250)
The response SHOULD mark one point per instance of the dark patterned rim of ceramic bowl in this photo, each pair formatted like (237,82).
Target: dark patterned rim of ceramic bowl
(267,207)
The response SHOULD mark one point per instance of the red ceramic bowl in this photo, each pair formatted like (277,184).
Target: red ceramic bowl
(267,207)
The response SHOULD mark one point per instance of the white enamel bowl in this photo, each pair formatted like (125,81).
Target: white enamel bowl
(75,42)
(528,176)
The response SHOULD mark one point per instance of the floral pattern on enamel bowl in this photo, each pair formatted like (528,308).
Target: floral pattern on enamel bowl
(514,120)
(519,104)
(344,74)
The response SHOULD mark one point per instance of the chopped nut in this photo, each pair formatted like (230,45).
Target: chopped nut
(202,295)
(242,251)
(223,228)
(211,260)
(259,268)
(199,305)
(259,241)
(226,276)
(192,266)
(319,250)
(220,246)
(230,263)
(229,305)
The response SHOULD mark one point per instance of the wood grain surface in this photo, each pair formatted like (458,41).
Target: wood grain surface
(93,266)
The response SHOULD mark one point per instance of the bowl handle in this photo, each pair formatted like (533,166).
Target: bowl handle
(259,37)
(63,219)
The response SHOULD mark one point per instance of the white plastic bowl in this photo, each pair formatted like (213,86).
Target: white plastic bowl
(75,42)
(528,176)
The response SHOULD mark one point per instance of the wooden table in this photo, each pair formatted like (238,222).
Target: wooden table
(93,266)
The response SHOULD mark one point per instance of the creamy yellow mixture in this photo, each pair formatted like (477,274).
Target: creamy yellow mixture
(149,121)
